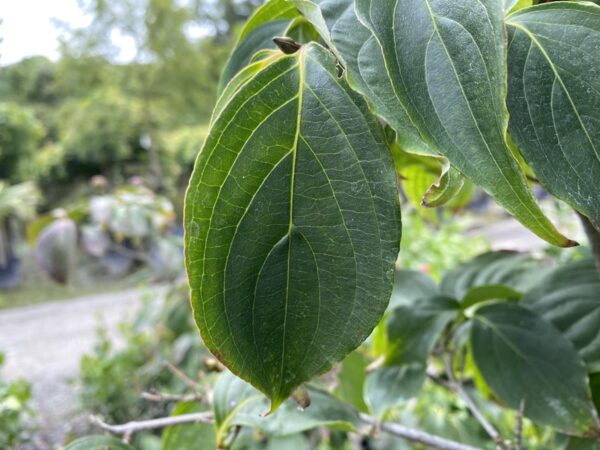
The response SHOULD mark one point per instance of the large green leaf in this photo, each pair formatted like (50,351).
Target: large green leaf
(272,19)
(554,98)
(410,286)
(98,443)
(524,358)
(569,297)
(412,331)
(435,70)
(292,224)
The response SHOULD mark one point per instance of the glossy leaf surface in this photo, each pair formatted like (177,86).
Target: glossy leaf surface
(569,297)
(554,98)
(292,224)
(523,357)
(435,71)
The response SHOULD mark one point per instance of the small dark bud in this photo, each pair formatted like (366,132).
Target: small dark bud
(287,45)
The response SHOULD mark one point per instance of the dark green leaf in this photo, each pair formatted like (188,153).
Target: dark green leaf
(98,443)
(524,358)
(435,70)
(411,286)
(188,436)
(554,98)
(514,270)
(412,331)
(270,20)
(292,224)
(569,297)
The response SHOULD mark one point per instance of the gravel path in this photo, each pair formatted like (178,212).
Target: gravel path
(44,344)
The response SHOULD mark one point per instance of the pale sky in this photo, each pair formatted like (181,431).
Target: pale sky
(28,28)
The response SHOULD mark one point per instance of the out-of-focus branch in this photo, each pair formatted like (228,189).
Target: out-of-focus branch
(166,397)
(130,428)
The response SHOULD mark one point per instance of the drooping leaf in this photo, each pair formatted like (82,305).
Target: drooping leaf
(524,358)
(569,297)
(448,184)
(268,21)
(435,71)
(513,270)
(415,181)
(188,436)
(292,225)
(238,403)
(412,331)
(554,98)
(98,443)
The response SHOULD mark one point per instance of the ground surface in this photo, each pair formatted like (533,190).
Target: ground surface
(44,344)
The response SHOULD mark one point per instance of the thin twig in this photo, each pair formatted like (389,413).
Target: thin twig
(457,387)
(166,397)
(129,428)
(519,425)
(413,435)
(183,377)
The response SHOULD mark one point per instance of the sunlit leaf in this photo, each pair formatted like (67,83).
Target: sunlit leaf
(292,225)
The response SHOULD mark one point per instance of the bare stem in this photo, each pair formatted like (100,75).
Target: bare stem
(183,377)
(413,435)
(457,387)
(166,397)
(129,428)
(519,425)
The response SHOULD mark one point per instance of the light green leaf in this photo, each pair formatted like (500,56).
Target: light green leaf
(446,63)
(514,5)
(487,292)
(554,98)
(569,297)
(292,225)
(188,436)
(412,331)
(238,403)
(447,186)
(514,270)
(293,442)
(524,358)
(351,379)
(272,19)
(98,443)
